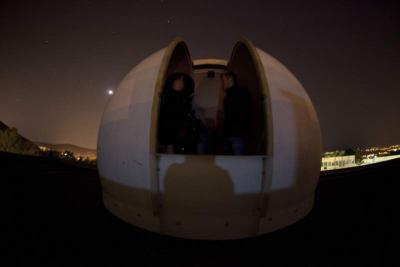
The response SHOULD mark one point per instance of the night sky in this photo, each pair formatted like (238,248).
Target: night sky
(57,61)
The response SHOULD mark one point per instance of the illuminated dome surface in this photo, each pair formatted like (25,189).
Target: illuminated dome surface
(211,197)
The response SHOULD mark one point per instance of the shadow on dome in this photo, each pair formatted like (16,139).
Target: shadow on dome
(197,184)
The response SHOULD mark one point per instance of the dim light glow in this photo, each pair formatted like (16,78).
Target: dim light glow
(110,92)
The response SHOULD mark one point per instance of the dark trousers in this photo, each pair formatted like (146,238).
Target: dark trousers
(235,145)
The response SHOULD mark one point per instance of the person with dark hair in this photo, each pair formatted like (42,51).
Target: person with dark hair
(176,120)
(236,115)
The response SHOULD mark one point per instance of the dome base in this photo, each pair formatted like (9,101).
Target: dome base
(206,227)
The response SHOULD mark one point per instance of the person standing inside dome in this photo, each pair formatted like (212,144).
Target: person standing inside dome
(177,118)
(236,115)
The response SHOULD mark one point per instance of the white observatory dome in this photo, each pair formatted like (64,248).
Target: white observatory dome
(217,196)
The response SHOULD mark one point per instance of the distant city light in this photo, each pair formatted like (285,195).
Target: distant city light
(110,92)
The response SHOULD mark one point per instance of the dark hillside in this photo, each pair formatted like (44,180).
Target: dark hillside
(11,141)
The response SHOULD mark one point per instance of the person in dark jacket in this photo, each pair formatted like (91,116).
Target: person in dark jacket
(236,115)
(176,115)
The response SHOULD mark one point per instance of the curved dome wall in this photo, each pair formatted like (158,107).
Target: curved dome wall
(209,196)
